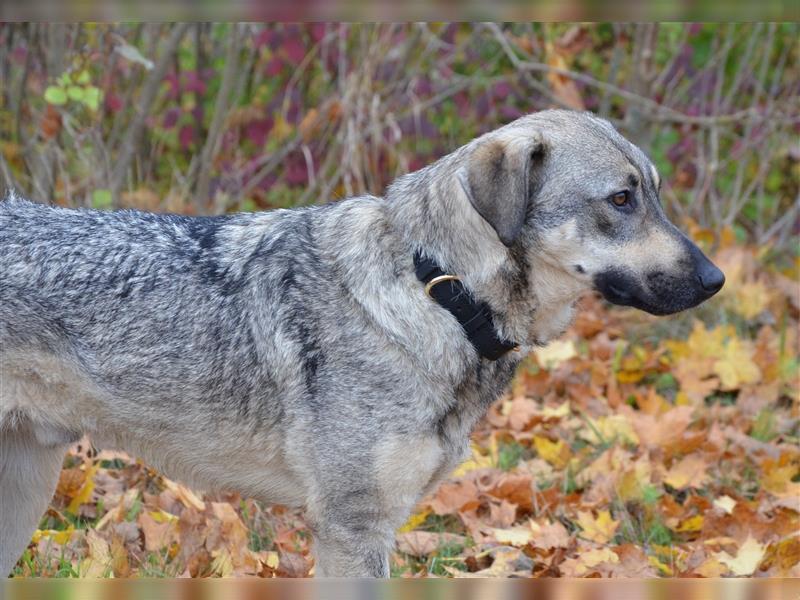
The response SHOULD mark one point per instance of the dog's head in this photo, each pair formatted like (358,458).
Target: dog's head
(569,189)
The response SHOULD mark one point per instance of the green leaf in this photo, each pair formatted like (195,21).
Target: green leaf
(64,80)
(101,198)
(55,95)
(91,97)
(75,93)
(83,77)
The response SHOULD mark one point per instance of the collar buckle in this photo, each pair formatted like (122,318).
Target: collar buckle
(437,280)
(474,317)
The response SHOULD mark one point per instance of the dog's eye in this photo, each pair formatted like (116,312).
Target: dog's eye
(621,199)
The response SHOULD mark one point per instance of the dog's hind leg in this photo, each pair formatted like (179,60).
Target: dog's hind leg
(29,467)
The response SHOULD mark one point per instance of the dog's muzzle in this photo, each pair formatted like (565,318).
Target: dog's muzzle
(662,292)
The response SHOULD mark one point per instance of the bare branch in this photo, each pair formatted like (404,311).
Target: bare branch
(134,132)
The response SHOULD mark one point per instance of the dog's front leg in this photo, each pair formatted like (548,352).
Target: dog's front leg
(352,538)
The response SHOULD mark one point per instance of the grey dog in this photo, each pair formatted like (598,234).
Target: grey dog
(293,355)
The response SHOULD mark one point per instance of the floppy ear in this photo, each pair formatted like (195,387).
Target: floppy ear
(498,180)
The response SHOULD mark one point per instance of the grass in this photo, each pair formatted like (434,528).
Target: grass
(764,426)
(509,454)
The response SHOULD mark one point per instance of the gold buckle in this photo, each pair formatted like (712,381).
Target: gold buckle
(437,280)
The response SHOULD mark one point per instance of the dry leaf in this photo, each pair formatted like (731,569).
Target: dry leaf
(598,529)
(422,543)
(688,472)
(725,504)
(549,535)
(556,453)
(555,353)
(746,560)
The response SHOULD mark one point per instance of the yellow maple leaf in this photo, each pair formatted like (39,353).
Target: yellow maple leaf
(600,529)
(776,478)
(477,461)
(747,559)
(735,365)
(694,523)
(60,537)
(701,343)
(751,299)
(634,481)
(556,453)
(85,493)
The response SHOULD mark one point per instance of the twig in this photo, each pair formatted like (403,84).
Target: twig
(660,112)
(134,132)
(8,180)
(202,167)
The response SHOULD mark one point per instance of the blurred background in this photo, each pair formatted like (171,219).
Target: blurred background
(632,447)
(208,118)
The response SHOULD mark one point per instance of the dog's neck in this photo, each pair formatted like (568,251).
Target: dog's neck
(531,299)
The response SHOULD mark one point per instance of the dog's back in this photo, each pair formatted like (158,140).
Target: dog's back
(147,308)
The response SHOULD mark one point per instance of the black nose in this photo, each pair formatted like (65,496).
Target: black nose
(711,278)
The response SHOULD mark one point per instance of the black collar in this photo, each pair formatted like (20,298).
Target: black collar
(475,317)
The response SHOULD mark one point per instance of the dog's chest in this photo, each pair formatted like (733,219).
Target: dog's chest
(473,396)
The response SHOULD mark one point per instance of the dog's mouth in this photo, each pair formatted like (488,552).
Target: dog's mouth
(661,295)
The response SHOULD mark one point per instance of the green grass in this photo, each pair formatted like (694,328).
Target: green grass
(764,426)
(509,454)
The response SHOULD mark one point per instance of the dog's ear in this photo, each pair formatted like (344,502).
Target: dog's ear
(498,180)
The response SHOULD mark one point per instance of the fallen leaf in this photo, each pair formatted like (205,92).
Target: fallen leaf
(609,429)
(598,529)
(454,496)
(549,535)
(184,494)
(736,367)
(587,561)
(746,560)
(477,461)
(688,472)
(415,521)
(158,530)
(506,562)
(98,560)
(556,453)
(422,543)
(60,537)
(691,524)
(711,567)
(85,493)
(725,504)
(516,536)
(555,353)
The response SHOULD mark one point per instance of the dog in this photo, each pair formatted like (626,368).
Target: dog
(333,357)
